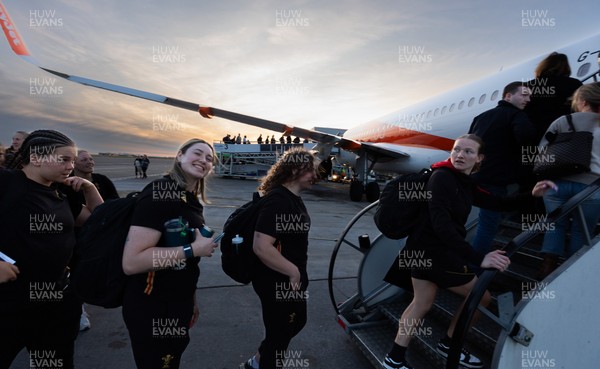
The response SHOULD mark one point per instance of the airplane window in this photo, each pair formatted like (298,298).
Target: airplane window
(583,70)
(436,112)
(444,109)
(452,107)
(482,99)
(494,95)
(471,101)
(461,104)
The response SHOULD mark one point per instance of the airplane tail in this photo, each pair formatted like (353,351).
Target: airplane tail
(18,46)
(12,35)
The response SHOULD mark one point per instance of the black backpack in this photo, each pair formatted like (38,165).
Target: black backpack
(239,260)
(98,276)
(400,203)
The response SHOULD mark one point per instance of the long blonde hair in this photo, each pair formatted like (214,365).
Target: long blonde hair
(176,172)
(590,93)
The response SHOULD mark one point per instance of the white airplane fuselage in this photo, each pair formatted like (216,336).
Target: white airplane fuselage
(426,130)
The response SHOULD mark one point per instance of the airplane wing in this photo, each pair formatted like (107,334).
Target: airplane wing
(385,149)
(18,46)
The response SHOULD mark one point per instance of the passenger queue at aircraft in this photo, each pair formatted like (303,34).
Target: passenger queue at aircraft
(229,139)
(42,258)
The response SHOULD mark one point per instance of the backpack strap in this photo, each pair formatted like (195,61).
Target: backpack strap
(570,122)
(256,197)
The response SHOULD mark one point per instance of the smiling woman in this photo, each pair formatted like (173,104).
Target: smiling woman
(161,254)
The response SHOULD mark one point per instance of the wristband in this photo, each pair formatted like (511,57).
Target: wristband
(187,251)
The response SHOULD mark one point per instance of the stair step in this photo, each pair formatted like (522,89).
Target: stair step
(504,236)
(483,334)
(527,257)
(376,340)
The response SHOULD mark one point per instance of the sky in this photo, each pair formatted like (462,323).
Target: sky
(306,63)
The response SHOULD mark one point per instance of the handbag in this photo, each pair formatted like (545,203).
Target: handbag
(566,153)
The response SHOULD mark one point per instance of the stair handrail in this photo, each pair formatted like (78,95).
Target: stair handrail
(472,301)
(337,248)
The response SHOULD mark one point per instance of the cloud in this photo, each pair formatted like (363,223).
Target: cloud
(306,62)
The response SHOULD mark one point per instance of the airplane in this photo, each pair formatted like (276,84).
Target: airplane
(403,141)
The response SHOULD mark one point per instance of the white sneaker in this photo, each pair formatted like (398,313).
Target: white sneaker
(388,363)
(84,320)
(467,359)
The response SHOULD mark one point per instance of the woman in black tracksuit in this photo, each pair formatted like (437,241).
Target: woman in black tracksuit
(281,244)
(439,248)
(159,304)
(38,311)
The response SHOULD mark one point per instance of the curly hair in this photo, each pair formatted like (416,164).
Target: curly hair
(40,141)
(293,164)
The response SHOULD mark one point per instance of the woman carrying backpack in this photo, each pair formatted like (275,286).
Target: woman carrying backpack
(437,249)
(586,104)
(159,304)
(37,308)
(281,244)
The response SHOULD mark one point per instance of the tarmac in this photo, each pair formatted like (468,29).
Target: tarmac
(230,328)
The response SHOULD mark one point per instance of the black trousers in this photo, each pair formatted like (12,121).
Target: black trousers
(284,316)
(47,329)
(159,330)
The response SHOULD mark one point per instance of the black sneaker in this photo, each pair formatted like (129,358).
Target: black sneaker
(391,364)
(466,358)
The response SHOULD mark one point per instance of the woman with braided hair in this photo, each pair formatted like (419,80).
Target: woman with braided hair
(37,309)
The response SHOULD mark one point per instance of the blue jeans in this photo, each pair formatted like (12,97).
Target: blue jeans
(489,220)
(554,239)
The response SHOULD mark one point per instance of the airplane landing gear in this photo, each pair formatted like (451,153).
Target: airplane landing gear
(357,189)
(360,184)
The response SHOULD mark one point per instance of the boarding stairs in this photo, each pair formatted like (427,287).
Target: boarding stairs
(530,323)
(249,160)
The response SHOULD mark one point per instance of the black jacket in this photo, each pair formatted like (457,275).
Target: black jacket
(549,101)
(441,233)
(505,130)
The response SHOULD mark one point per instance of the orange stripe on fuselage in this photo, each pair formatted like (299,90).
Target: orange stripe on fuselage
(407,137)
(421,139)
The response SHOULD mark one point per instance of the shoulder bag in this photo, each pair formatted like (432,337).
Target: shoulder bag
(566,153)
